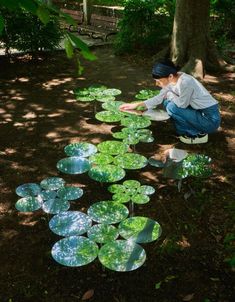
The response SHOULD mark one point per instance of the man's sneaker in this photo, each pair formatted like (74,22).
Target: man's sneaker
(199,139)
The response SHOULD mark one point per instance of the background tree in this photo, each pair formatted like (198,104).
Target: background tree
(191,46)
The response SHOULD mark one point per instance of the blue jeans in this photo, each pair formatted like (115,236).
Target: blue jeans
(191,122)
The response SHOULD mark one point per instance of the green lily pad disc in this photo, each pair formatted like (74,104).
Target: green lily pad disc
(52,183)
(81,91)
(140,198)
(112,105)
(101,159)
(96,88)
(122,255)
(29,189)
(102,233)
(74,251)
(148,190)
(119,135)
(140,229)
(48,194)
(145,94)
(55,206)
(70,193)
(136,121)
(108,116)
(107,173)
(121,197)
(131,161)
(105,98)
(73,165)
(130,183)
(112,147)
(131,140)
(112,91)
(116,188)
(108,212)
(70,223)
(85,98)
(80,149)
(28,204)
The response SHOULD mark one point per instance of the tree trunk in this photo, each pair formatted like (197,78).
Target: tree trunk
(191,47)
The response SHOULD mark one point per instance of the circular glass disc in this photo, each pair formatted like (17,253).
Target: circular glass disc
(136,122)
(28,204)
(80,149)
(106,173)
(101,159)
(55,206)
(112,91)
(70,193)
(29,189)
(108,116)
(112,147)
(108,212)
(102,233)
(74,251)
(148,190)
(105,98)
(73,165)
(112,105)
(70,223)
(157,115)
(130,183)
(116,188)
(140,229)
(52,183)
(140,198)
(122,255)
(131,161)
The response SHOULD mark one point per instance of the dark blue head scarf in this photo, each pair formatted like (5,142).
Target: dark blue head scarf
(163,70)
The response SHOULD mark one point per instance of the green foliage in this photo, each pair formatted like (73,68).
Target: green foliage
(222,22)
(145,23)
(25,32)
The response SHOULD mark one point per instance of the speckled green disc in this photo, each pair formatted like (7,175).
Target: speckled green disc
(102,233)
(73,165)
(80,149)
(108,212)
(122,255)
(131,161)
(52,183)
(107,173)
(112,147)
(70,193)
(55,206)
(74,251)
(70,223)
(28,204)
(29,189)
(140,229)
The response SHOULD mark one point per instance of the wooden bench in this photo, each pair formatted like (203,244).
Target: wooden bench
(100,27)
(76,15)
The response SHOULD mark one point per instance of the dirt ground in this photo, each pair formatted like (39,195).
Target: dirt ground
(39,116)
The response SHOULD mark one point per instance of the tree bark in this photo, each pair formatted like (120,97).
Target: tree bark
(191,47)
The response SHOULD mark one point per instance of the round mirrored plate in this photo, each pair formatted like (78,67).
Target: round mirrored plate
(140,229)
(47,194)
(102,233)
(121,197)
(73,165)
(112,91)
(74,251)
(157,115)
(101,159)
(156,163)
(55,206)
(80,149)
(28,204)
(105,98)
(108,116)
(52,183)
(131,161)
(130,183)
(140,198)
(148,190)
(135,121)
(107,173)
(112,105)
(70,193)
(29,189)
(116,188)
(70,223)
(108,212)
(122,255)
(112,147)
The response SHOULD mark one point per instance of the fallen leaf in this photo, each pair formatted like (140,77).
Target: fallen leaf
(88,295)
(188,297)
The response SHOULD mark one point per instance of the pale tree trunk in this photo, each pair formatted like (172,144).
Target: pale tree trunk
(191,47)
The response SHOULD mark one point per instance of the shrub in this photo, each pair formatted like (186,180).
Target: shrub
(145,23)
(25,32)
